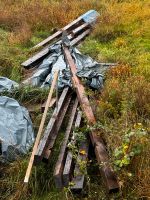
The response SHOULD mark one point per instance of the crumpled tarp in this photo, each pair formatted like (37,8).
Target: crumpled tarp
(7,84)
(87,68)
(16,132)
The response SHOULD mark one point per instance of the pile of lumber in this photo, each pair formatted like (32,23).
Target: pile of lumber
(72,105)
(76,31)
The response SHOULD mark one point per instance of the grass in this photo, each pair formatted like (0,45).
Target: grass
(121,35)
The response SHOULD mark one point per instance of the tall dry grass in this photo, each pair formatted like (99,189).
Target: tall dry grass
(22,18)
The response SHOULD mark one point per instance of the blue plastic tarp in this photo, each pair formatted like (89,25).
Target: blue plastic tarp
(16,132)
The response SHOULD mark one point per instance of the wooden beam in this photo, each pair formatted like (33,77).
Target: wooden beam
(53,135)
(79,175)
(80,28)
(51,127)
(78,39)
(109,175)
(38,57)
(29,168)
(69,159)
(58,34)
(52,102)
(60,162)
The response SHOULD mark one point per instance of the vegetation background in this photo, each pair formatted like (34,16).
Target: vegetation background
(122,35)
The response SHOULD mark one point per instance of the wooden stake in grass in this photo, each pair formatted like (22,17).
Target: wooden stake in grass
(28,172)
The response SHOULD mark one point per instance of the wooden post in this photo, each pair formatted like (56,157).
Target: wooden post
(60,162)
(28,172)
(97,142)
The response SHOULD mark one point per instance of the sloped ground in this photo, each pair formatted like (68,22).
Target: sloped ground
(121,35)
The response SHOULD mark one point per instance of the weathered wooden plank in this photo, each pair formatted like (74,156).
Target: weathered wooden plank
(52,102)
(38,57)
(69,159)
(78,39)
(60,162)
(54,134)
(79,174)
(51,127)
(88,17)
(79,88)
(40,131)
(32,61)
(105,168)
(96,140)
(58,34)
(80,28)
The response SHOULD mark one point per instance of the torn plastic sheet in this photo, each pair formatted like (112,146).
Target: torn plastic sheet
(92,71)
(7,84)
(16,132)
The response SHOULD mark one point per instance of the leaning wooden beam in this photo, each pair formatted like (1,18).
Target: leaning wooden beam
(60,162)
(53,136)
(28,172)
(32,61)
(78,39)
(79,174)
(35,59)
(80,28)
(50,128)
(108,173)
(89,17)
(58,34)
(52,102)
(69,159)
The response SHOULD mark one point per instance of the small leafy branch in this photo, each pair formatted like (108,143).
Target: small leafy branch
(132,145)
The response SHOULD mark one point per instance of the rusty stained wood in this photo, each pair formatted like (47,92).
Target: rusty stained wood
(32,61)
(79,88)
(99,147)
(53,136)
(79,175)
(50,127)
(69,159)
(60,162)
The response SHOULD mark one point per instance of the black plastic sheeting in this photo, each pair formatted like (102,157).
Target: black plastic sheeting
(88,69)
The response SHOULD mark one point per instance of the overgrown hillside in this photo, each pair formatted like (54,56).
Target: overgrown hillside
(121,35)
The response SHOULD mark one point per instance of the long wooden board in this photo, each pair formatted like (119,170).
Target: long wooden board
(50,127)
(58,34)
(53,136)
(79,174)
(52,102)
(78,39)
(80,28)
(32,61)
(69,159)
(37,140)
(108,173)
(60,162)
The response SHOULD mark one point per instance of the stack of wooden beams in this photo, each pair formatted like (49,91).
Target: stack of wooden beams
(76,31)
(67,168)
